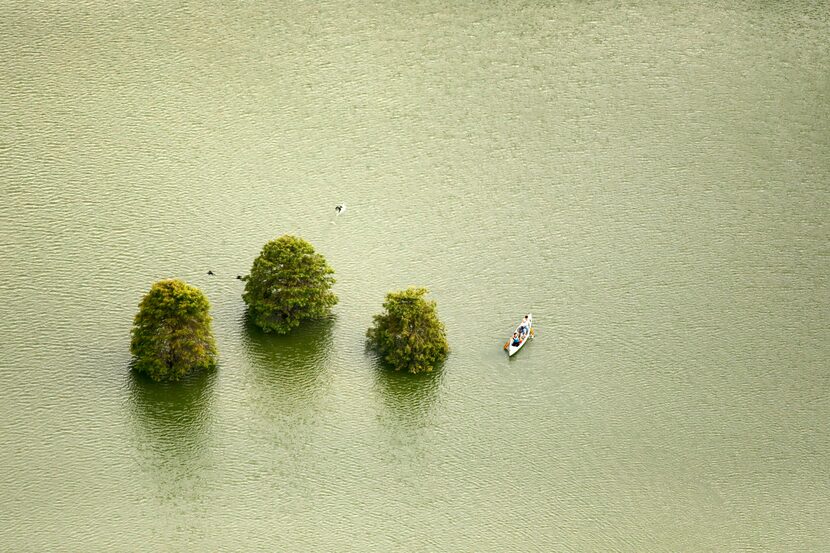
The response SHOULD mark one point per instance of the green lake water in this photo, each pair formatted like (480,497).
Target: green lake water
(650,179)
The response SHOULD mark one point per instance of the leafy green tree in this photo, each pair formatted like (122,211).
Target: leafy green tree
(172,333)
(408,335)
(288,283)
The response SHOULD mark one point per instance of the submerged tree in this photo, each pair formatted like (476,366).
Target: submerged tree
(172,333)
(408,335)
(289,283)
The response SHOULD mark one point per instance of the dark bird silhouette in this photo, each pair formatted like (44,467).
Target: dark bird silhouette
(210,273)
(340,209)
(238,277)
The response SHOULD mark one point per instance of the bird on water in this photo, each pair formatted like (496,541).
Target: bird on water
(340,209)
(210,273)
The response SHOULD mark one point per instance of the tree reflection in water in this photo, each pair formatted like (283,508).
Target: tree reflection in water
(172,427)
(288,373)
(409,398)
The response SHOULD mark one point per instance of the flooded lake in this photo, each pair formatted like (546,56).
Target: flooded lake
(650,181)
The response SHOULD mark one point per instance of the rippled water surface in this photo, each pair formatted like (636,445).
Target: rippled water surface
(649,179)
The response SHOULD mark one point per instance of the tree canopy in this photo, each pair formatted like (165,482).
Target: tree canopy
(289,282)
(172,333)
(408,335)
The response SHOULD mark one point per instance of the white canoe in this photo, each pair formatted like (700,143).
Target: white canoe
(511,349)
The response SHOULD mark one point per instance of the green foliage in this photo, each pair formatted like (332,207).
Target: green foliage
(288,283)
(172,333)
(408,335)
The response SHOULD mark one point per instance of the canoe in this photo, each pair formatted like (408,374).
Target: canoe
(511,349)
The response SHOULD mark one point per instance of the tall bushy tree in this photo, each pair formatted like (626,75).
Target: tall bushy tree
(172,333)
(289,282)
(408,335)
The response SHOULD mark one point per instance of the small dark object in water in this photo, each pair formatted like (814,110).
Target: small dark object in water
(210,273)
(340,208)
(238,277)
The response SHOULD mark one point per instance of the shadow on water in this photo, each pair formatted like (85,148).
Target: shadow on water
(408,407)
(172,426)
(408,399)
(288,372)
